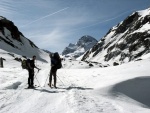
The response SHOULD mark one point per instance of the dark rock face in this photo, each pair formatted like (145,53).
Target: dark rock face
(126,40)
(15,33)
(68,50)
(90,65)
(9,43)
(128,22)
(115,64)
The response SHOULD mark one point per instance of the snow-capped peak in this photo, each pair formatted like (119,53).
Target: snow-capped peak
(82,45)
(145,12)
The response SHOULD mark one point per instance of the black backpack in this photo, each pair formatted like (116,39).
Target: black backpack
(58,59)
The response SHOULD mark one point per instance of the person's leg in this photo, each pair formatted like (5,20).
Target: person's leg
(55,79)
(32,79)
(50,78)
(29,79)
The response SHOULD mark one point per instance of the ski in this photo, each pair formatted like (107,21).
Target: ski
(32,87)
(52,86)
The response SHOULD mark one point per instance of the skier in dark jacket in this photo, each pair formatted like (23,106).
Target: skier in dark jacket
(31,66)
(55,60)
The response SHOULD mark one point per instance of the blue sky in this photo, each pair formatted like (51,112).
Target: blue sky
(53,24)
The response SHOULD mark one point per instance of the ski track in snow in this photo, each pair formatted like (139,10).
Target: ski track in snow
(79,91)
(15,97)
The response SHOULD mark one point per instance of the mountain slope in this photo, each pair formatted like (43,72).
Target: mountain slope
(127,41)
(12,40)
(78,49)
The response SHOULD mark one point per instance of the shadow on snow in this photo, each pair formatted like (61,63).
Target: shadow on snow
(137,89)
(58,90)
(78,88)
(48,91)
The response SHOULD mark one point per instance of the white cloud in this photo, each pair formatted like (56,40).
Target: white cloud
(55,40)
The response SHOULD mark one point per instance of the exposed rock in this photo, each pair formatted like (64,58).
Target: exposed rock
(115,64)
(14,33)
(90,65)
(125,42)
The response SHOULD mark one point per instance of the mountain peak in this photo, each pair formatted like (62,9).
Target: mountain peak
(85,39)
(144,12)
(82,45)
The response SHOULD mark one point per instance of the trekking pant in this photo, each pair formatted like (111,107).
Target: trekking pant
(53,73)
(31,77)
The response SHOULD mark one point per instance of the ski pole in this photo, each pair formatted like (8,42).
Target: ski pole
(37,79)
(46,80)
(60,80)
(38,82)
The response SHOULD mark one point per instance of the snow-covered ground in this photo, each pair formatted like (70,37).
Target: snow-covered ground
(119,89)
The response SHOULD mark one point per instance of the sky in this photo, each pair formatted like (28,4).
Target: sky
(53,24)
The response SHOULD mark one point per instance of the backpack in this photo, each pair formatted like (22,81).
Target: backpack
(24,63)
(58,59)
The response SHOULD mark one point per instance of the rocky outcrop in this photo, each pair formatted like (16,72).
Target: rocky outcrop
(124,42)
(14,32)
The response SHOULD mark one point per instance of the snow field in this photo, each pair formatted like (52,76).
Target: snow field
(120,89)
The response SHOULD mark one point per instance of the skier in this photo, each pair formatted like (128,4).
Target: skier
(31,66)
(55,64)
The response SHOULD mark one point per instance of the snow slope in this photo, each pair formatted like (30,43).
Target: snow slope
(125,42)
(13,41)
(119,89)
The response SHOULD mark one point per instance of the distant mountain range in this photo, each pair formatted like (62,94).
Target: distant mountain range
(80,47)
(125,42)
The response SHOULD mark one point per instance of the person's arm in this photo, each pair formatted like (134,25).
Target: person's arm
(36,67)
